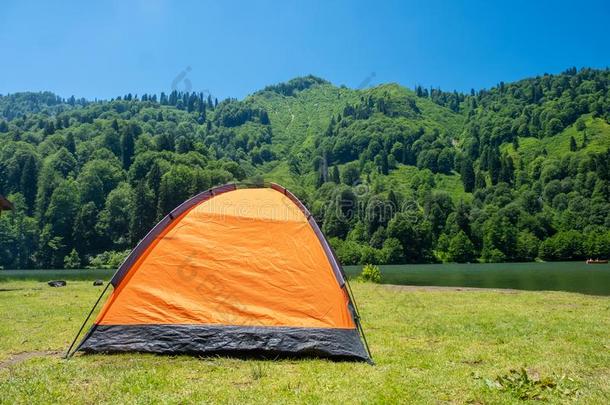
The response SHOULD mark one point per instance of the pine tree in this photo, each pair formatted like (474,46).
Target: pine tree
(484,161)
(164,197)
(154,178)
(70,144)
(143,212)
(200,104)
(394,203)
(163,99)
(49,128)
(202,111)
(480,183)
(115,125)
(264,118)
(507,170)
(86,238)
(495,166)
(335,176)
(467,173)
(173,98)
(573,146)
(385,167)
(60,219)
(127,149)
(28,182)
(319,178)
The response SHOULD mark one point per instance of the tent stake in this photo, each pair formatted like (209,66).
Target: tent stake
(68,355)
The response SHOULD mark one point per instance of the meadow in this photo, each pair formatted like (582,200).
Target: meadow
(430,345)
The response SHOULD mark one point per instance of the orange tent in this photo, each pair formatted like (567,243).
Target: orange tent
(232,270)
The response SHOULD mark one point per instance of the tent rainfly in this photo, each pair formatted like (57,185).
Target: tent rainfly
(234,271)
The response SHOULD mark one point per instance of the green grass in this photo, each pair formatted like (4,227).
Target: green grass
(598,140)
(280,174)
(429,346)
(296,121)
(401,179)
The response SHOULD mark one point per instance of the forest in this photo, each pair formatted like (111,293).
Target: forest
(517,172)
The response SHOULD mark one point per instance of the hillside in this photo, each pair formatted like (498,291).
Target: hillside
(516,172)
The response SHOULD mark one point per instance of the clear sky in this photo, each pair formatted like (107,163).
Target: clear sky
(233,48)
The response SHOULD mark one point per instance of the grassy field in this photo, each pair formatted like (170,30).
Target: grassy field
(598,140)
(430,345)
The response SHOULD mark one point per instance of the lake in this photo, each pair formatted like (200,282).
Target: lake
(578,277)
(54,274)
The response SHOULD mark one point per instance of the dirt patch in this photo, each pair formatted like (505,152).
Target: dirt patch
(19,357)
(443,288)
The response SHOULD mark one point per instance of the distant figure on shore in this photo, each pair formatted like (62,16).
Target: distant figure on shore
(596,261)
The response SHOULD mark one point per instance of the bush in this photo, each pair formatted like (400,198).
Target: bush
(72,261)
(392,252)
(371,273)
(108,260)
(493,256)
(348,252)
(370,255)
(564,245)
(461,249)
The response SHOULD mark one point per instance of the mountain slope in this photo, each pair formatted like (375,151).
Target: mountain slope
(517,172)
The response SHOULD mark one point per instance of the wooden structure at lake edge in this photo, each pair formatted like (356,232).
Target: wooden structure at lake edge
(5,205)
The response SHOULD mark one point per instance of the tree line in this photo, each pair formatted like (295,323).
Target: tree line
(90,178)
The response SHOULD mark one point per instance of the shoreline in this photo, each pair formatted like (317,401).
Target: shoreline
(399,287)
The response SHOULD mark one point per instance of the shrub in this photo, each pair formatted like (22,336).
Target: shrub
(493,256)
(392,252)
(371,273)
(108,260)
(564,245)
(371,255)
(528,385)
(461,249)
(72,261)
(349,252)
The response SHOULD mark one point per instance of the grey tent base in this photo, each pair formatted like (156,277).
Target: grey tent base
(258,341)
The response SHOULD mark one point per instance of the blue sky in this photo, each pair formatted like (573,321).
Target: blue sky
(233,48)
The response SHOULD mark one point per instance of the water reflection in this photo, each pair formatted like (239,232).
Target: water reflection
(559,276)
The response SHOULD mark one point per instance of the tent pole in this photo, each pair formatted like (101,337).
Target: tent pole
(68,355)
(358,324)
(350,294)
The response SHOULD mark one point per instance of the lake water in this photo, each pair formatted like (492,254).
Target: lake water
(560,276)
(556,276)
(48,275)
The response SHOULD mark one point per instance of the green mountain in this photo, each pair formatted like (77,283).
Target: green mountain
(393,175)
